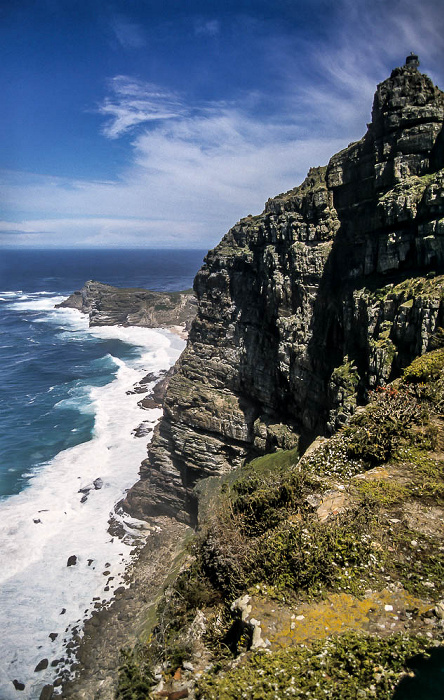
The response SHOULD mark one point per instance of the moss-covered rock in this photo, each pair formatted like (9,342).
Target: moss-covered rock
(347,667)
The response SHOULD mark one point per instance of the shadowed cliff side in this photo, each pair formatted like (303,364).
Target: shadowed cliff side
(330,292)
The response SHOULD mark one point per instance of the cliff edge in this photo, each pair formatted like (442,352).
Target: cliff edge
(327,294)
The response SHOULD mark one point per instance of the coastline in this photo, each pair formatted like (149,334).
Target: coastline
(125,621)
(96,656)
(46,668)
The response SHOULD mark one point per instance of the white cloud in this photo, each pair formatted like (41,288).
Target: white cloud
(134,102)
(197,168)
(191,179)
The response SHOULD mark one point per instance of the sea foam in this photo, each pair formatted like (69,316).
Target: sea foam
(51,520)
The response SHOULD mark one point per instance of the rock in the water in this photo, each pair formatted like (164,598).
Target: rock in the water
(72,560)
(148,403)
(41,665)
(143,429)
(18,685)
(98,483)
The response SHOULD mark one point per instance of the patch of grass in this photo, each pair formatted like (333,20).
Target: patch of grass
(332,459)
(285,547)
(191,591)
(374,435)
(270,465)
(428,473)
(313,557)
(382,493)
(425,368)
(417,562)
(346,667)
(135,678)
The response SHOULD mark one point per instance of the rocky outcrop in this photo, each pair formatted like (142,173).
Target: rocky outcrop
(305,308)
(108,306)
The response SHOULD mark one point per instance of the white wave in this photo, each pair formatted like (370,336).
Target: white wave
(30,303)
(12,296)
(45,524)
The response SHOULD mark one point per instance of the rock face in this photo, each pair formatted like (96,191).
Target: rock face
(108,306)
(303,309)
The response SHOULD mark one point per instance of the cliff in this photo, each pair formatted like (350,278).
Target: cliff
(319,576)
(329,293)
(108,306)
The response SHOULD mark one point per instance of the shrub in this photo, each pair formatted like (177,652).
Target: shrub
(375,434)
(425,368)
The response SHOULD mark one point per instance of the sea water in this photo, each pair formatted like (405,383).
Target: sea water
(68,448)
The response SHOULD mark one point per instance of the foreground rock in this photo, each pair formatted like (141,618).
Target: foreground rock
(303,309)
(108,306)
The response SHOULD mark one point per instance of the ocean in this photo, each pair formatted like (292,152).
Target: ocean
(68,451)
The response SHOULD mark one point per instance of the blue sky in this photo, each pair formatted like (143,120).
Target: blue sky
(160,123)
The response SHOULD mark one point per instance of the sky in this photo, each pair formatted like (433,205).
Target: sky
(161,123)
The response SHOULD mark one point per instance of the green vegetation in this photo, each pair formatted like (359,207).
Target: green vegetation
(135,677)
(407,292)
(419,561)
(389,421)
(342,668)
(380,492)
(425,368)
(340,521)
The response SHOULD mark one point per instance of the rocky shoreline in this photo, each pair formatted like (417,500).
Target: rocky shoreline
(93,655)
(109,630)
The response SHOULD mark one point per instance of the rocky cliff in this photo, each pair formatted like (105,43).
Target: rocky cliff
(303,309)
(108,306)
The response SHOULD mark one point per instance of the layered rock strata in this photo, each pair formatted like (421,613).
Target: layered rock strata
(108,306)
(303,309)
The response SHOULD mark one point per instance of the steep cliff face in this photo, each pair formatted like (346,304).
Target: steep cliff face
(302,310)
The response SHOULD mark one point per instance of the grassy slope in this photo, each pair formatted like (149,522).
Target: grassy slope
(340,554)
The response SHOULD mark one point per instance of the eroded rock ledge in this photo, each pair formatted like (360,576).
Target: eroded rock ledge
(303,309)
(108,306)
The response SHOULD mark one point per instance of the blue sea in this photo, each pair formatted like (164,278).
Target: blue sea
(67,422)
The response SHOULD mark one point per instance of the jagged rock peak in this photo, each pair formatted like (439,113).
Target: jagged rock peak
(405,99)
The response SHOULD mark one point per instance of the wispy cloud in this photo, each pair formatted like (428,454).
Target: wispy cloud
(128,34)
(196,168)
(134,102)
(369,36)
(206,27)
